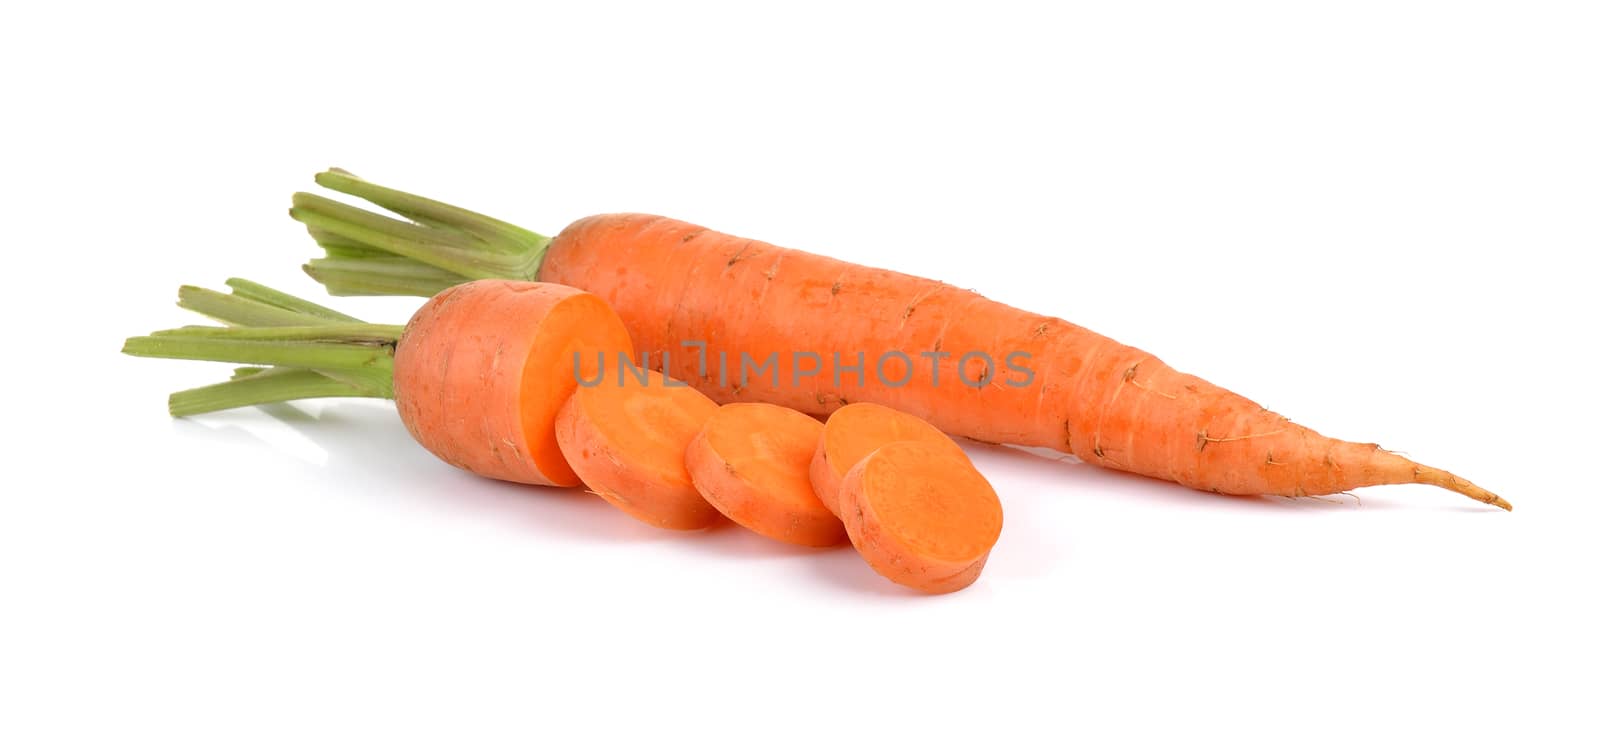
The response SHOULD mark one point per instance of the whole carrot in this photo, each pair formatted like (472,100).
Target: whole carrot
(817,333)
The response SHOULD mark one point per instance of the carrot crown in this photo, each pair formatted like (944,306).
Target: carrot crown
(434,247)
(301,350)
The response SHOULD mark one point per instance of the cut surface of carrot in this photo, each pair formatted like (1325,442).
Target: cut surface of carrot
(752,462)
(483,368)
(921,516)
(858,429)
(626,439)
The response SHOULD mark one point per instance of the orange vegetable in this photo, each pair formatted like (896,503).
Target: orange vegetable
(627,438)
(751,461)
(921,515)
(856,430)
(483,395)
(693,297)
(477,393)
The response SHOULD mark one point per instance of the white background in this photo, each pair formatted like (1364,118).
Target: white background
(1378,218)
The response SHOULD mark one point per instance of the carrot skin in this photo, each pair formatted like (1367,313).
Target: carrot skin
(825,479)
(690,295)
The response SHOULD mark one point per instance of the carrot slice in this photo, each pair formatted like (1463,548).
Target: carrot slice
(858,429)
(626,440)
(921,516)
(752,462)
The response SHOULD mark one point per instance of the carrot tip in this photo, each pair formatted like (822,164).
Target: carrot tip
(1447,480)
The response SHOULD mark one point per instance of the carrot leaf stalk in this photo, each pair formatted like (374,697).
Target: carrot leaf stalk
(307,350)
(275,384)
(435,245)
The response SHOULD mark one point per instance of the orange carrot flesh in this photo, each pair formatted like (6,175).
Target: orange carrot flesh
(856,430)
(627,442)
(692,296)
(484,367)
(752,462)
(921,516)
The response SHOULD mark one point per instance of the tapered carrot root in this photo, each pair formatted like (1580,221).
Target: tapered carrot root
(858,429)
(1446,480)
(752,462)
(692,296)
(626,440)
(921,516)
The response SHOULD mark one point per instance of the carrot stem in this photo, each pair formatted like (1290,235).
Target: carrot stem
(260,387)
(433,213)
(265,295)
(445,248)
(357,334)
(309,350)
(437,246)
(285,353)
(339,246)
(383,275)
(239,310)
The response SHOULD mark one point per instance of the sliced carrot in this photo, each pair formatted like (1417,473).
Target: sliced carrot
(752,462)
(921,516)
(482,394)
(858,429)
(477,375)
(626,440)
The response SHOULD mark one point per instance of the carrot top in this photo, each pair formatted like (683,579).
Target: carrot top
(308,350)
(366,253)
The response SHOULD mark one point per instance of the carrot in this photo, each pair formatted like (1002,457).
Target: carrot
(751,461)
(626,439)
(921,515)
(693,297)
(480,395)
(856,430)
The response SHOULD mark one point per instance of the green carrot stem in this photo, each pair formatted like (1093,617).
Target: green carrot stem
(433,213)
(441,246)
(270,352)
(385,276)
(240,311)
(261,294)
(447,249)
(258,387)
(312,351)
(383,334)
(338,251)
(341,247)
